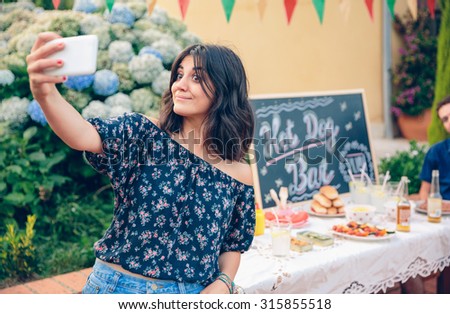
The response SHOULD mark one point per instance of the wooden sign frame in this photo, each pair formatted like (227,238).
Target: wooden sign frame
(286,97)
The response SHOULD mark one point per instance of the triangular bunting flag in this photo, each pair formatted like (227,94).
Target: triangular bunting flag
(344,6)
(56,4)
(183,7)
(262,5)
(391,5)
(412,5)
(319,5)
(109,4)
(431,7)
(369,5)
(228,6)
(290,6)
(150,6)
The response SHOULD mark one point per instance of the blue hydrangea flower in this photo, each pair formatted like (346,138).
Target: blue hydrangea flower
(121,14)
(6,77)
(87,6)
(36,114)
(147,50)
(79,83)
(106,83)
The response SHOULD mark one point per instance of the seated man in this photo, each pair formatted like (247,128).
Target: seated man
(438,157)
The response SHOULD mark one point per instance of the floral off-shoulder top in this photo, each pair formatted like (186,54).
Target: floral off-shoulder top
(174,213)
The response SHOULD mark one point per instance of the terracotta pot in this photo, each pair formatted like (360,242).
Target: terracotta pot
(415,127)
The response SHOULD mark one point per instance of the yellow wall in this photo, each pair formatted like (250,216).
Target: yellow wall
(302,56)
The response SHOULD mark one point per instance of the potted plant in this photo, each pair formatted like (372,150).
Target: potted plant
(413,78)
(405,163)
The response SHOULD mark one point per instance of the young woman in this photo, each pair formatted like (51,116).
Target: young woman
(184,203)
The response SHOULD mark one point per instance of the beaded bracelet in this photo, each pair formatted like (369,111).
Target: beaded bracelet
(227,281)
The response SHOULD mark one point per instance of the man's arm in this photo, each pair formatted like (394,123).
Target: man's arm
(424,190)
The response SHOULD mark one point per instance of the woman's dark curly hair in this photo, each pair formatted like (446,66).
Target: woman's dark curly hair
(229,123)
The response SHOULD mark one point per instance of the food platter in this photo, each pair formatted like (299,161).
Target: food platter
(362,232)
(312,213)
(422,209)
(298,218)
(368,238)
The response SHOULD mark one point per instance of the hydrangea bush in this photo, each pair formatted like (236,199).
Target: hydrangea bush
(40,175)
(136,51)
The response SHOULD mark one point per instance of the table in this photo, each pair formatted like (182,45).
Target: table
(349,266)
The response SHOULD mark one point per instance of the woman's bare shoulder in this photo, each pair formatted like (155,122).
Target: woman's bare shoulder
(242,172)
(153,120)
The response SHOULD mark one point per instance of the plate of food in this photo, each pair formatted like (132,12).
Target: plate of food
(326,215)
(327,203)
(298,218)
(363,232)
(422,207)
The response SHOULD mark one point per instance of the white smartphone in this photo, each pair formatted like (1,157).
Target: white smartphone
(79,56)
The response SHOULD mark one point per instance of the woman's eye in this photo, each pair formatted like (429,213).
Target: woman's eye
(196,78)
(179,76)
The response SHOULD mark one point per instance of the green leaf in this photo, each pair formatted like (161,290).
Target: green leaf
(58,180)
(15,198)
(29,133)
(2,186)
(37,156)
(14,169)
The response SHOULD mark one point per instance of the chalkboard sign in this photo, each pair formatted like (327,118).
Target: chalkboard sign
(305,141)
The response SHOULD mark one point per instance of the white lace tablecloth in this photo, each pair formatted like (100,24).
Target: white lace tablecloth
(349,266)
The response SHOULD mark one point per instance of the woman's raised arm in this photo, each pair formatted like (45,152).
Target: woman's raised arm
(65,121)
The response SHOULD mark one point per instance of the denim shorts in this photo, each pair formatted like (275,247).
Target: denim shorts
(107,280)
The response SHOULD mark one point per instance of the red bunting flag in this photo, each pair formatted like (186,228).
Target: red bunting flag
(369,5)
(290,6)
(431,7)
(56,3)
(183,7)
(228,8)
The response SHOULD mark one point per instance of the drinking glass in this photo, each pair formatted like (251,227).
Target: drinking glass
(281,237)
(359,192)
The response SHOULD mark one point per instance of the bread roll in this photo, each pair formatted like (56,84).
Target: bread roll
(322,200)
(331,211)
(329,192)
(340,210)
(338,203)
(317,208)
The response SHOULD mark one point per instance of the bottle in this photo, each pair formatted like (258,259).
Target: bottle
(403,208)
(434,208)
(260,221)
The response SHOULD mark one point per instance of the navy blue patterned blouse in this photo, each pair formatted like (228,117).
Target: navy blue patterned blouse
(174,213)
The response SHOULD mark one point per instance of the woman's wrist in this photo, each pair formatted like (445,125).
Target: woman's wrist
(227,281)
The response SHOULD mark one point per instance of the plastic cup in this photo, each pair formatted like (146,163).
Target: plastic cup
(378,196)
(359,192)
(281,237)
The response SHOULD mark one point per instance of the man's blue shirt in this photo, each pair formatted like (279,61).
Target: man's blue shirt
(438,157)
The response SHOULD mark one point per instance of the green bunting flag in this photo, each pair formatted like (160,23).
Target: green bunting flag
(391,5)
(320,6)
(110,4)
(228,8)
